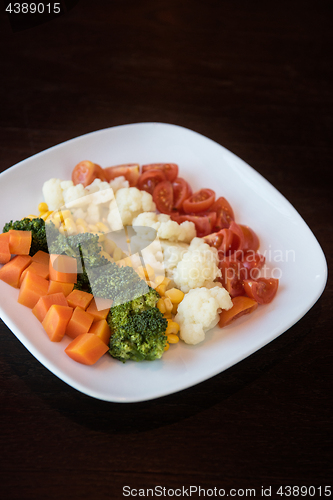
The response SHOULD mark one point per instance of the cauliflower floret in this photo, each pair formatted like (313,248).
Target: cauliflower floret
(73,193)
(52,193)
(166,228)
(172,254)
(198,266)
(118,183)
(199,312)
(131,202)
(97,185)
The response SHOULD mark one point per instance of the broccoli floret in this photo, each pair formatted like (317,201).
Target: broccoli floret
(38,232)
(138,330)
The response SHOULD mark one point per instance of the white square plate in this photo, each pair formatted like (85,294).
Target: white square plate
(285,239)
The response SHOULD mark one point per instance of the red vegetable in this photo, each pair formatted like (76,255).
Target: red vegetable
(200,201)
(149,180)
(262,290)
(170,170)
(163,197)
(241,306)
(131,172)
(86,172)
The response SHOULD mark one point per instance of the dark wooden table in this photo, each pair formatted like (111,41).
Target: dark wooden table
(257,78)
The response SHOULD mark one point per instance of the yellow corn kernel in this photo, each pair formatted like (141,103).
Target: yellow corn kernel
(93,228)
(161,306)
(167,346)
(101,237)
(160,289)
(81,229)
(117,254)
(151,283)
(70,226)
(103,228)
(167,315)
(162,280)
(81,222)
(168,305)
(107,256)
(175,295)
(61,215)
(174,309)
(42,207)
(146,272)
(172,327)
(46,215)
(172,338)
(62,230)
(109,246)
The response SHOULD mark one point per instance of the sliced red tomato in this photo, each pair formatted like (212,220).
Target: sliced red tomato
(200,201)
(231,276)
(262,290)
(170,169)
(224,213)
(252,262)
(149,180)
(181,191)
(203,223)
(241,306)
(86,172)
(131,172)
(251,240)
(163,197)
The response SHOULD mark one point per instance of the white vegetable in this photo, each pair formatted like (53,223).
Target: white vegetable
(198,266)
(199,312)
(52,193)
(118,183)
(166,228)
(131,202)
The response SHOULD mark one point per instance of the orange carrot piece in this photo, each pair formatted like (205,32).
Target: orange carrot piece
(11,272)
(87,348)
(32,289)
(19,242)
(102,330)
(97,315)
(41,257)
(5,254)
(56,321)
(63,268)
(241,305)
(37,268)
(57,286)
(45,302)
(78,298)
(80,322)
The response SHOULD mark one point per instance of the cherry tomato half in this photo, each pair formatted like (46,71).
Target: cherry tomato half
(86,172)
(149,180)
(241,306)
(200,201)
(203,223)
(262,290)
(251,240)
(163,197)
(181,191)
(231,276)
(224,213)
(252,262)
(170,169)
(131,172)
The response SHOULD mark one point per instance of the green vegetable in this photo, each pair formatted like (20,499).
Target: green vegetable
(38,232)
(138,329)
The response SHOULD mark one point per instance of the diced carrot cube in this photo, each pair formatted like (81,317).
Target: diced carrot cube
(45,302)
(32,289)
(87,348)
(11,272)
(56,321)
(41,257)
(19,242)
(78,298)
(57,286)
(80,322)
(37,268)
(63,268)
(102,330)
(5,254)
(97,314)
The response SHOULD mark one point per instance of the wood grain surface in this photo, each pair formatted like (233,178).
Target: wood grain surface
(255,77)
